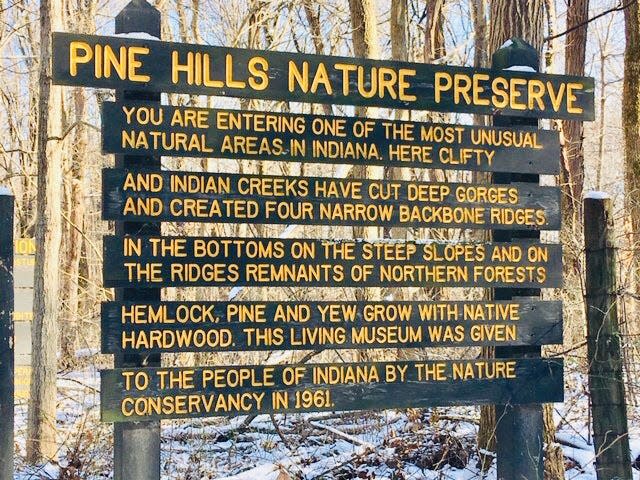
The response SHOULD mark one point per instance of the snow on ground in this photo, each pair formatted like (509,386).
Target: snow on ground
(400,445)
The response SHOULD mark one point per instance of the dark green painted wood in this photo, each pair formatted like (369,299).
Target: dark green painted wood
(230,261)
(606,381)
(6,336)
(136,446)
(420,83)
(126,128)
(538,380)
(294,200)
(217,326)
(520,425)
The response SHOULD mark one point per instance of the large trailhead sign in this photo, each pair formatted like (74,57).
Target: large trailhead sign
(140,259)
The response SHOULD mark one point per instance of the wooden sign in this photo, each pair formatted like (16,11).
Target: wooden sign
(161,393)
(251,326)
(209,261)
(144,64)
(147,129)
(24,262)
(236,198)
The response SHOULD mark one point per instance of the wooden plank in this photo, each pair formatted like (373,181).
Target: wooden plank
(236,198)
(22,343)
(161,393)
(147,261)
(24,246)
(22,383)
(24,271)
(139,128)
(250,326)
(208,70)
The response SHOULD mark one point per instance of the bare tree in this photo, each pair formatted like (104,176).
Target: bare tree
(631,133)
(516,18)
(75,212)
(366,45)
(434,46)
(313,19)
(41,434)
(480,40)
(572,178)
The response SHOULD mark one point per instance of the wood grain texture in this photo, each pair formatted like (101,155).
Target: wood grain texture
(157,63)
(289,262)
(541,157)
(606,382)
(253,326)
(380,202)
(399,384)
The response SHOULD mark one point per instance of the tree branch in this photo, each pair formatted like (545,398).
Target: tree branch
(619,8)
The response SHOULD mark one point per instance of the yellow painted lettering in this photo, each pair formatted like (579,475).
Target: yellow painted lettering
(571,97)
(297,77)
(134,63)
(443,83)
(536,94)
(229,74)
(177,67)
(258,67)
(478,89)
(500,98)
(321,78)
(79,53)
(515,94)
(403,84)
(345,68)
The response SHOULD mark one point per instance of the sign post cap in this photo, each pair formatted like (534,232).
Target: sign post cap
(516,52)
(139,16)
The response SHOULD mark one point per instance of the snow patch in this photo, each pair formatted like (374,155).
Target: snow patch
(521,68)
(87,352)
(138,35)
(5,191)
(597,195)
(506,44)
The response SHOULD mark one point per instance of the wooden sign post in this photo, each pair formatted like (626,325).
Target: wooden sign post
(6,335)
(518,425)
(130,461)
(606,382)
(138,195)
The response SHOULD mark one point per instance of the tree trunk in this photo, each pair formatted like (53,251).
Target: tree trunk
(365,45)
(554,459)
(399,18)
(75,230)
(480,40)
(486,430)
(313,19)
(481,32)
(434,47)
(572,171)
(631,115)
(41,428)
(516,18)
(631,129)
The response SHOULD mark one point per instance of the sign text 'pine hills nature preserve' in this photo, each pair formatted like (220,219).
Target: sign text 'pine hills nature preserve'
(138,195)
